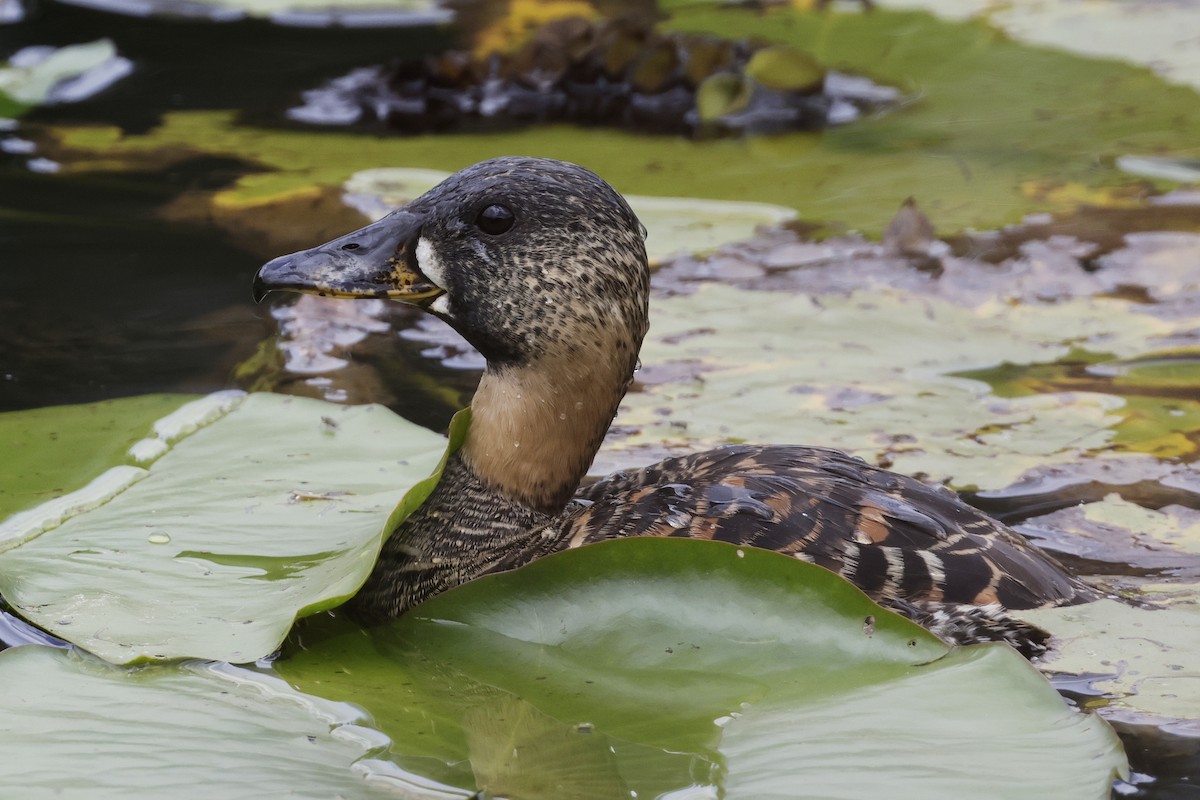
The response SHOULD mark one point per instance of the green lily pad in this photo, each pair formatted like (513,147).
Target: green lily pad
(76,727)
(654,666)
(673,224)
(274,508)
(786,69)
(967,165)
(721,94)
(27,85)
(1157,416)
(49,452)
(1165,371)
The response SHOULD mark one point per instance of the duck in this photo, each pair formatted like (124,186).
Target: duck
(541,266)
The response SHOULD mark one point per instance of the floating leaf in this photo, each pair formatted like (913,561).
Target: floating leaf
(276,508)
(38,75)
(1145,657)
(51,451)
(721,94)
(657,666)
(1162,541)
(1157,35)
(77,727)
(949,148)
(858,373)
(1171,169)
(786,69)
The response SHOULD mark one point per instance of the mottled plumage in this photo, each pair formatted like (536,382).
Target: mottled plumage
(541,266)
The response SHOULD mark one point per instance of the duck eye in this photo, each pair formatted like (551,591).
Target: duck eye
(495,220)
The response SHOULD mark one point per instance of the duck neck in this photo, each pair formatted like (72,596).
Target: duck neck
(536,427)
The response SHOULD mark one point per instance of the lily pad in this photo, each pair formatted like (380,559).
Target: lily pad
(76,727)
(786,69)
(1158,35)
(966,165)
(275,508)
(673,224)
(655,666)
(809,371)
(47,75)
(1143,658)
(52,451)
(1125,536)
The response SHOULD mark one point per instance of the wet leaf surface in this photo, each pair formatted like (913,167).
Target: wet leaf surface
(997,129)
(213,549)
(81,728)
(656,665)
(49,452)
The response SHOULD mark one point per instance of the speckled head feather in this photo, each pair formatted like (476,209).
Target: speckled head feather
(571,266)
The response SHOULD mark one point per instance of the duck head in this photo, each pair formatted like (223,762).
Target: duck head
(522,256)
(541,266)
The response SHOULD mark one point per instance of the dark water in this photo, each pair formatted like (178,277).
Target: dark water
(104,298)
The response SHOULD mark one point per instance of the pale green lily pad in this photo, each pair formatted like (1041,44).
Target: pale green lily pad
(1171,169)
(35,82)
(860,373)
(1145,657)
(1157,35)
(75,727)
(687,225)
(1173,525)
(275,508)
(1114,531)
(674,224)
(1161,36)
(49,452)
(679,668)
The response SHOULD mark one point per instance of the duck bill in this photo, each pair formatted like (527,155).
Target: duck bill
(376,261)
